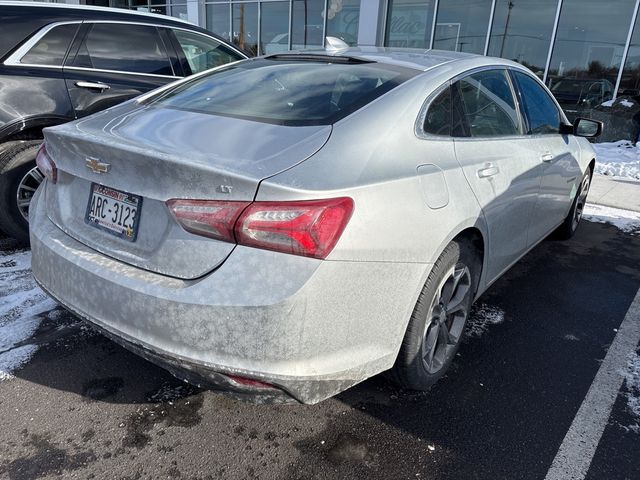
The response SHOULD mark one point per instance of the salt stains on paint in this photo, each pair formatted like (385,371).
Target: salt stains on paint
(21,304)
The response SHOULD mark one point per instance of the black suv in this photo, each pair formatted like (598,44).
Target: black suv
(58,63)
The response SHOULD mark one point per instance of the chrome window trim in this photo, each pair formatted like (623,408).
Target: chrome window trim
(16,57)
(102,70)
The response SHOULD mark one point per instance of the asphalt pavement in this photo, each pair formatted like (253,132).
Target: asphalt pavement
(83,407)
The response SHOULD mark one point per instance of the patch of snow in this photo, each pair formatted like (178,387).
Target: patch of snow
(626,220)
(627,103)
(618,159)
(608,103)
(632,382)
(21,305)
(482,316)
(571,337)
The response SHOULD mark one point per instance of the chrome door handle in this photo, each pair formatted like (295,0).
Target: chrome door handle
(547,157)
(489,171)
(93,85)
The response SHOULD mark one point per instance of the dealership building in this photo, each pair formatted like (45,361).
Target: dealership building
(588,51)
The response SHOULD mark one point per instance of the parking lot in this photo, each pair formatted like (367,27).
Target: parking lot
(83,407)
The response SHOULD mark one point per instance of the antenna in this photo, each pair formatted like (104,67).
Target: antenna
(334,45)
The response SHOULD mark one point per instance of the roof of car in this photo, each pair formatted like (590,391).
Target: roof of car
(91,8)
(418,59)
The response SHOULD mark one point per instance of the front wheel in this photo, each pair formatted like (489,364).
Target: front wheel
(19,179)
(571,222)
(439,318)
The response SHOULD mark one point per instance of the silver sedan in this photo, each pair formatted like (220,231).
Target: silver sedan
(288,226)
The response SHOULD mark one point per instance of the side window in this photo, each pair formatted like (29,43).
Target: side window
(486,104)
(51,49)
(126,48)
(437,120)
(202,52)
(540,109)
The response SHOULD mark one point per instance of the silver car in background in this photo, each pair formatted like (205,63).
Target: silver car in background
(288,226)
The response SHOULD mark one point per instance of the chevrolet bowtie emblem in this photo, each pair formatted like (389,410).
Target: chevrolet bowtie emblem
(96,166)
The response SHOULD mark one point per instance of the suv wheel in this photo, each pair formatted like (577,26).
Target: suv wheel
(19,179)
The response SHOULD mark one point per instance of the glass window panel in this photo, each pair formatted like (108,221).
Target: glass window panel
(51,49)
(179,11)
(218,20)
(342,20)
(522,31)
(119,3)
(274,28)
(202,52)
(127,48)
(587,53)
(409,23)
(308,23)
(461,25)
(437,121)
(541,111)
(245,26)
(487,104)
(630,82)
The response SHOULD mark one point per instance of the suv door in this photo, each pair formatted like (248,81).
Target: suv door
(116,61)
(557,156)
(497,161)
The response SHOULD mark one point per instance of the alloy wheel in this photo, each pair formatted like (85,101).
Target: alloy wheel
(26,188)
(446,318)
(581,201)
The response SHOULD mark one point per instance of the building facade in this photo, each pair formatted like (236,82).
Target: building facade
(587,51)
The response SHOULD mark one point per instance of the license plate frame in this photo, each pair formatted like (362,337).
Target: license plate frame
(116,197)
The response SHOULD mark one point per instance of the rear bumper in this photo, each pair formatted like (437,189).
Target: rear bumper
(312,328)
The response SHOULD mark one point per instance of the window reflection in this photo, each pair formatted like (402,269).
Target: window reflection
(588,51)
(245,26)
(308,24)
(409,23)
(342,20)
(521,31)
(461,25)
(218,20)
(274,28)
(630,82)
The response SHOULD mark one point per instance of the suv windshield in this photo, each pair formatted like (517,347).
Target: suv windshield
(287,91)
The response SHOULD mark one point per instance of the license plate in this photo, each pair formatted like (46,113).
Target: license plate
(113,211)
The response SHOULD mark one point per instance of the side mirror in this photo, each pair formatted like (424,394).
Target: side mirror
(587,128)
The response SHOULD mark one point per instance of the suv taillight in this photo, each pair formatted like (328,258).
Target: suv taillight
(46,165)
(310,228)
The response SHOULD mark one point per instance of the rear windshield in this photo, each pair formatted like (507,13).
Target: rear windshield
(286,92)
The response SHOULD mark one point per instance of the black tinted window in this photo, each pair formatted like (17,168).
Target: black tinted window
(127,48)
(542,113)
(487,104)
(287,92)
(51,49)
(437,120)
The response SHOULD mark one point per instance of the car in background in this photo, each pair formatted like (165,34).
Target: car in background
(288,226)
(575,95)
(60,62)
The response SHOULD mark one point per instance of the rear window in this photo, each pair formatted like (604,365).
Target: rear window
(287,92)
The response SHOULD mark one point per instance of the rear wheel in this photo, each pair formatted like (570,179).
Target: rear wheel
(19,179)
(439,318)
(571,222)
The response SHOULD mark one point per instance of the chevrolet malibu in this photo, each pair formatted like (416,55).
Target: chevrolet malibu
(288,226)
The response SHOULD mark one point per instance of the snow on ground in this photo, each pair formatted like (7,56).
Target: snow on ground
(626,220)
(632,377)
(482,316)
(618,159)
(21,304)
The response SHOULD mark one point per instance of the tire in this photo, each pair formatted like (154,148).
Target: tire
(17,160)
(437,327)
(572,220)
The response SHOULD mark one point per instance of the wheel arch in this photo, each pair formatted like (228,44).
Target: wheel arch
(30,128)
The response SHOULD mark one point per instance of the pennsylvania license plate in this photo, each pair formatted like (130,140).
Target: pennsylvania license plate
(113,211)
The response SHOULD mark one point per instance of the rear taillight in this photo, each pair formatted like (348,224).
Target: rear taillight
(46,165)
(310,228)
(211,219)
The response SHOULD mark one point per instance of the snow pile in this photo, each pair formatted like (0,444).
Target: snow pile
(21,303)
(482,316)
(632,377)
(618,159)
(625,220)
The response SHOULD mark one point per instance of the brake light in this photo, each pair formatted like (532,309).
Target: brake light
(208,218)
(310,228)
(46,165)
